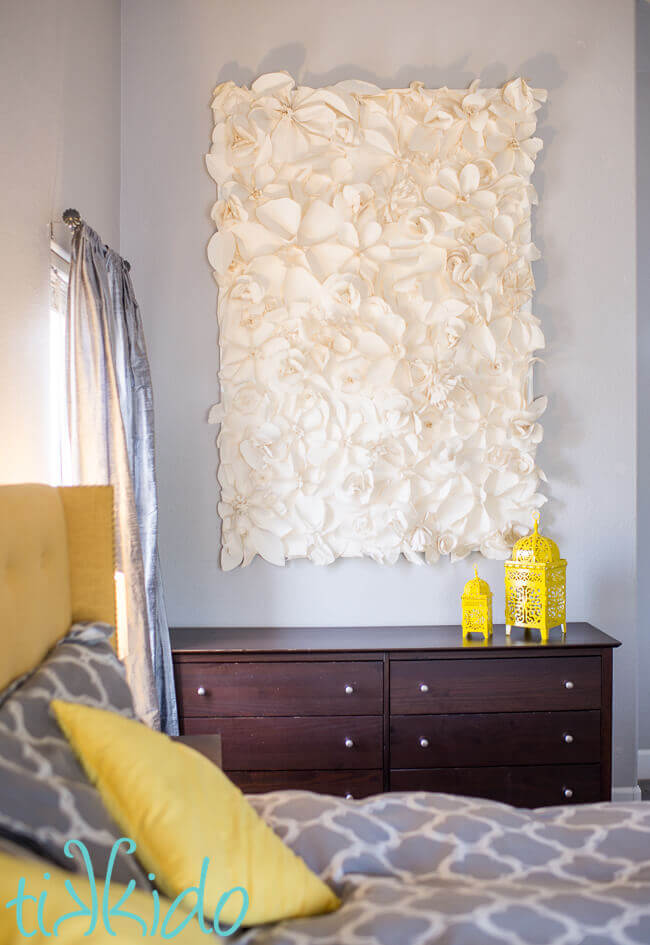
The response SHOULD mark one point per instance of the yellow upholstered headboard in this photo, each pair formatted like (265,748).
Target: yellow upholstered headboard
(57,566)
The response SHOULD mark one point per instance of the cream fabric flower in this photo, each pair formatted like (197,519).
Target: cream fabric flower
(373,254)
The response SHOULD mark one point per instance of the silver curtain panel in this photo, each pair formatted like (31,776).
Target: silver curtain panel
(111,440)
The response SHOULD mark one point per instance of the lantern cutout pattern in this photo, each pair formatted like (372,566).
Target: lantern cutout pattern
(477,607)
(536,585)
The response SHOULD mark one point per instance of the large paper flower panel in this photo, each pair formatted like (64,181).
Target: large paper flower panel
(373,255)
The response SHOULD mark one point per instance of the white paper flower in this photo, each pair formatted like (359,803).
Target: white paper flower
(297,121)
(254,522)
(514,147)
(454,190)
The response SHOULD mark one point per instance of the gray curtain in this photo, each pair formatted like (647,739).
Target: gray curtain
(111,440)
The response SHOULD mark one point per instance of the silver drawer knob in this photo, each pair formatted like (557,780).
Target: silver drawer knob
(568,684)
(349,797)
(200,691)
(424,687)
(424,742)
(348,743)
(349,690)
(568,793)
(568,738)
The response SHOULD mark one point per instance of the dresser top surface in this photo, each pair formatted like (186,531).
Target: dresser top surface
(360,639)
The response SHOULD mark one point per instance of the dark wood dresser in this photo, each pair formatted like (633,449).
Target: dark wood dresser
(360,710)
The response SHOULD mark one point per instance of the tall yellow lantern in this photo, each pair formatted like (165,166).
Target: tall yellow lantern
(476,604)
(536,585)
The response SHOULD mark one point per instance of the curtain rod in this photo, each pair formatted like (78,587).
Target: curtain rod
(73,219)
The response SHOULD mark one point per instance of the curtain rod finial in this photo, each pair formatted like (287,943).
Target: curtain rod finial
(72,218)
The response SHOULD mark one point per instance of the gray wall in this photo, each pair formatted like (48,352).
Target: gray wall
(173,54)
(643,319)
(59,146)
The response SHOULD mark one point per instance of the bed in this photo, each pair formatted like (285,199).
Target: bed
(410,868)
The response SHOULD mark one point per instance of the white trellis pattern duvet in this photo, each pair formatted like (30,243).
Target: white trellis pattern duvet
(432,869)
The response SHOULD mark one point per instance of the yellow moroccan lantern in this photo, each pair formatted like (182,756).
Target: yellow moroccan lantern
(536,585)
(477,607)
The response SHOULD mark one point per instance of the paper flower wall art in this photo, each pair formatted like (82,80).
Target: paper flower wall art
(373,255)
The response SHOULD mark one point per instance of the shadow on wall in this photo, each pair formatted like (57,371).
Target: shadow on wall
(543,71)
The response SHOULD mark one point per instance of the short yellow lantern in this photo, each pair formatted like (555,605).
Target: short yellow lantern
(536,585)
(476,603)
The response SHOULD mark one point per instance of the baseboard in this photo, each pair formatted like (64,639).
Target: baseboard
(644,764)
(632,793)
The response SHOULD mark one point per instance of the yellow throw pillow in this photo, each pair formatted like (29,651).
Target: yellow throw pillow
(34,898)
(179,809)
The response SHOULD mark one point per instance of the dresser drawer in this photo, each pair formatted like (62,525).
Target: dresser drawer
(419,687)
(282,688)
(352,784)
(282,744)
(526,786)
(496,738)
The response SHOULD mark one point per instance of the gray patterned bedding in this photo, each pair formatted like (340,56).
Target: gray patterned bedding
(45,797)
(418,869)
(411,869)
